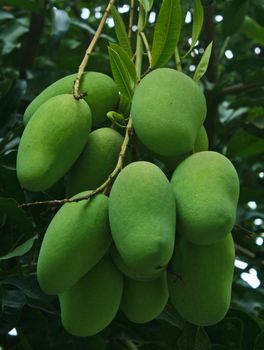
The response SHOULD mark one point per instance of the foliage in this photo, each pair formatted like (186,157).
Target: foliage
(41,41)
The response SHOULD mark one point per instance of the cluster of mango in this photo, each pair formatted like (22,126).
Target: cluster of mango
(126,250)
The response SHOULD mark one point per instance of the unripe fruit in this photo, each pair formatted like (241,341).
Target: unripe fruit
(96,162)
(92,303)
(52,141)
(206,188)
(142,218)
(168,109)
(102,95)
(200,280)
(144,301)
(201,142)
(76,239)
(130,271)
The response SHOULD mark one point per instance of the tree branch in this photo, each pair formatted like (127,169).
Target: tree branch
(238,88)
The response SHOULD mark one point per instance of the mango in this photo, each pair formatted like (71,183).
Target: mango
(201,142)
(168,109)
(52,142)
(144,301)
(130,271)
(200,280)
(206,188)
(92,303)
(142,217)
(96,162)
(102,95)
(76,239)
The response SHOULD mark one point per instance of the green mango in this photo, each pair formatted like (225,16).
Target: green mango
(76,239)
(96,162)
(52,142)
(142,217)
(206,188)
(168,109)
(144,301)
(92,303)
(130,271)
(102,95)
(200,280)
(201,142)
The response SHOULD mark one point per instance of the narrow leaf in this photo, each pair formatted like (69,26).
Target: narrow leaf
(203,64)
(167,32)
(20,250)
(123,70)
(147,4)
(120,30)
(198,18)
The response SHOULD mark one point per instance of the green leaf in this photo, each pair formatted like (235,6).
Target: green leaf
(121,33)
(234,14)
(259,342)
(9,207)
(167,32)
(253,30)
(243,144)
(33,6)
(123,70)
(20,250)
(198,18)
(203,64)
(147,4)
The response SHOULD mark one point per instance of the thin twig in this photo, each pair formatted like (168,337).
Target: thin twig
(88,52)
(101,188)
(245,251)
(250,233)
(131,18)
(146,44)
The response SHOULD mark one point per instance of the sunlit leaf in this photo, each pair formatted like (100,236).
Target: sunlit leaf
(203,64)
(167,32)
(120,30)
(197,23)
(147,4)
(123,70)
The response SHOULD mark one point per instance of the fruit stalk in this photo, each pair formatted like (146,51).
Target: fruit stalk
(88,53)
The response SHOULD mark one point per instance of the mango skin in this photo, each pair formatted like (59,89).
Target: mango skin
(168,109)
(142,218)
(200,280)
(102,95)
(206,188)
(76,239)
(52,141)
(96,162)
(92,303)
(129,271)
(201,142)
(144,301)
